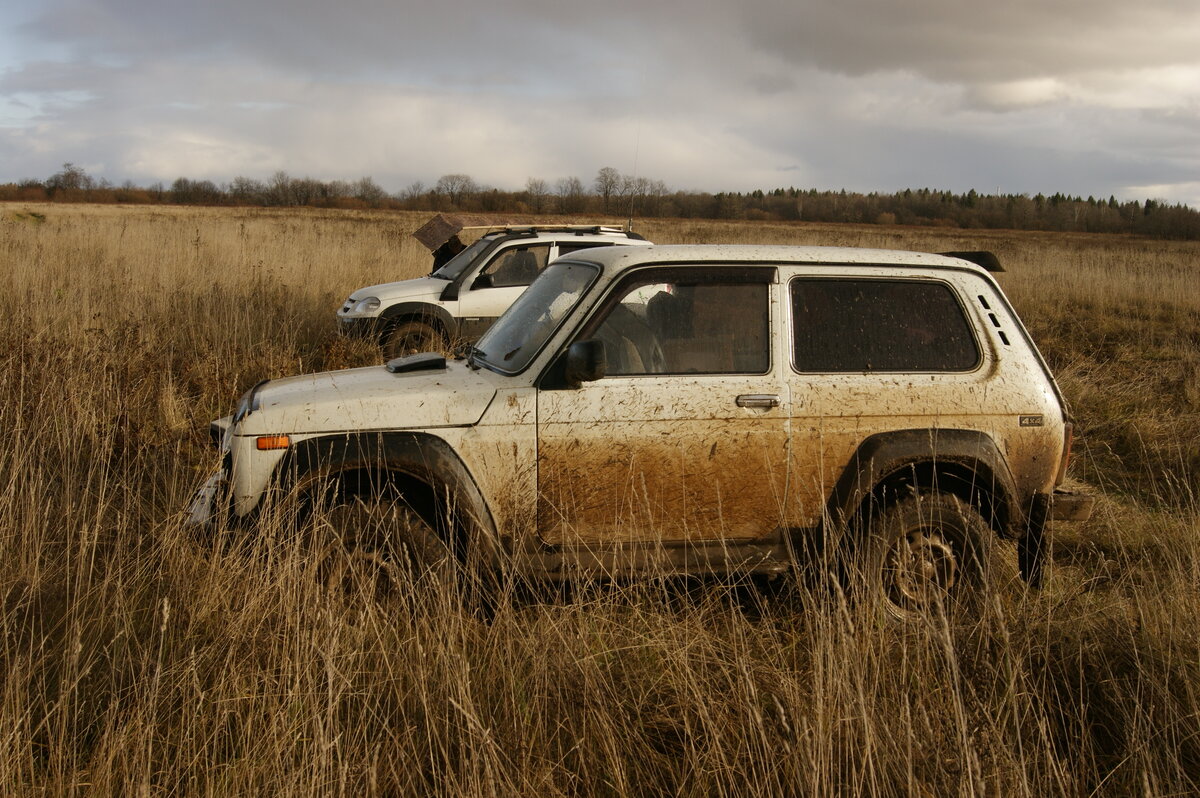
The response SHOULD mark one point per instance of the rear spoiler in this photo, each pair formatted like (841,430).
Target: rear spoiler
(987,260)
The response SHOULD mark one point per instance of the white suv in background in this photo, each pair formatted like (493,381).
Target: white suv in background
(460,299)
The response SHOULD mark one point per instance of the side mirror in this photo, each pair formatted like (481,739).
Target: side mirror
(482,281)
(585,362)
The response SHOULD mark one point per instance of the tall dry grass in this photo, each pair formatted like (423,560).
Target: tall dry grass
(136,660)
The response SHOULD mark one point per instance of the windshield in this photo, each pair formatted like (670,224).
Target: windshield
(459,263)
(518,335)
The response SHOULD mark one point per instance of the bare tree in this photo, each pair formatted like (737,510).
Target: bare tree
(654,196)
(368,191)
(414,191)
(71,178)
(247,190)
(570,194)
(195,192)
(537,190)
(632,190)
(337,189)
(456,187)
(305,191)
(608,182)
(279,189)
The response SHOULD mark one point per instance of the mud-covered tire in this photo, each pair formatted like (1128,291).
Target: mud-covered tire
(412,337)
(925,557)
(378,548)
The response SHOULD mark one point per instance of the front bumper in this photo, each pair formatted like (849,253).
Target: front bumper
(358,326)
(208,509)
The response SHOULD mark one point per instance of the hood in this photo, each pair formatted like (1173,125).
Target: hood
(429,288)
(370,399)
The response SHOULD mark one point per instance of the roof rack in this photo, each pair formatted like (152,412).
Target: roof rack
(557,228)
(442,227)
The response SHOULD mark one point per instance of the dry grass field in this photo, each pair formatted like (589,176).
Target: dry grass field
(137,661)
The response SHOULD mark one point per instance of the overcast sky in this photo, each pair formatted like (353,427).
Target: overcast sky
(1088,97)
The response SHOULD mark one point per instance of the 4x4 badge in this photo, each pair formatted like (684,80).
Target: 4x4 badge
(1031,421)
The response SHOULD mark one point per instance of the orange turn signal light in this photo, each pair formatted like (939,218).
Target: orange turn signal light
(266,443)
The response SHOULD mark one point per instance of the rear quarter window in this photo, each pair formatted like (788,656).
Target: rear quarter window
(860,325)
(567,249)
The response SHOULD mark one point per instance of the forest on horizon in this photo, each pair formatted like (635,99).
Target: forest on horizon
(611,193)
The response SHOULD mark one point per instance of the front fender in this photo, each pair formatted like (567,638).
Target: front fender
(419,455)
(419,310)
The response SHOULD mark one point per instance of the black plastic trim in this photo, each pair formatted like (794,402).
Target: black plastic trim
(424,457)
(425,361)
(888,455)
(420,311)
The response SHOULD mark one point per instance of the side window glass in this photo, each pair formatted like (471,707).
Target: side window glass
(688,328)
(516,266)
(879,325)
(566,249)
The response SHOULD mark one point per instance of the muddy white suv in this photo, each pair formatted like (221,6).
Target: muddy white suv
(464,295)
(687,409)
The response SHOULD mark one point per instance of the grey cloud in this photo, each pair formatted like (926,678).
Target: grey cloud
(945,40)
(356,37)
(971,41)
(866,94)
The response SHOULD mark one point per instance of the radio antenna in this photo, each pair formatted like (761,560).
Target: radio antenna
(637,146)
(641,105)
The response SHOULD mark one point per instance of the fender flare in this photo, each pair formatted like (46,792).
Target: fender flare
(417,455)
(910,456)
(418,310)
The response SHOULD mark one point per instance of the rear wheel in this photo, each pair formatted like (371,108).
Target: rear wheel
(927,556)
(412,337)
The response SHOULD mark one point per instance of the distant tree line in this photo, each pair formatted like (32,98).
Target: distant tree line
(611,193)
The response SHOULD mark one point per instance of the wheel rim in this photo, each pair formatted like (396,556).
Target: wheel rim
(921,570)
(411,344)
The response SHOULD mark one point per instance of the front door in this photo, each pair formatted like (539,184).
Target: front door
(686,438)
(498,285)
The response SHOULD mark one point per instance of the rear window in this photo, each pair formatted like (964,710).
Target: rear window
(850,325)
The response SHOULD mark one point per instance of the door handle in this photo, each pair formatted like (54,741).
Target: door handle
(757,400)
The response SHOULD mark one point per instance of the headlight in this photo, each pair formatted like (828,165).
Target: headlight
(368,305)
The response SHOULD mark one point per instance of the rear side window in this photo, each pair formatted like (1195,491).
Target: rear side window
(567,249)
(879,325)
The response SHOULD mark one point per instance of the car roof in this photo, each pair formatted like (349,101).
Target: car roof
(621,258)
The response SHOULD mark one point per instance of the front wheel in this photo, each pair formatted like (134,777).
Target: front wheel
(927,556)
(412,337)
(377,548)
